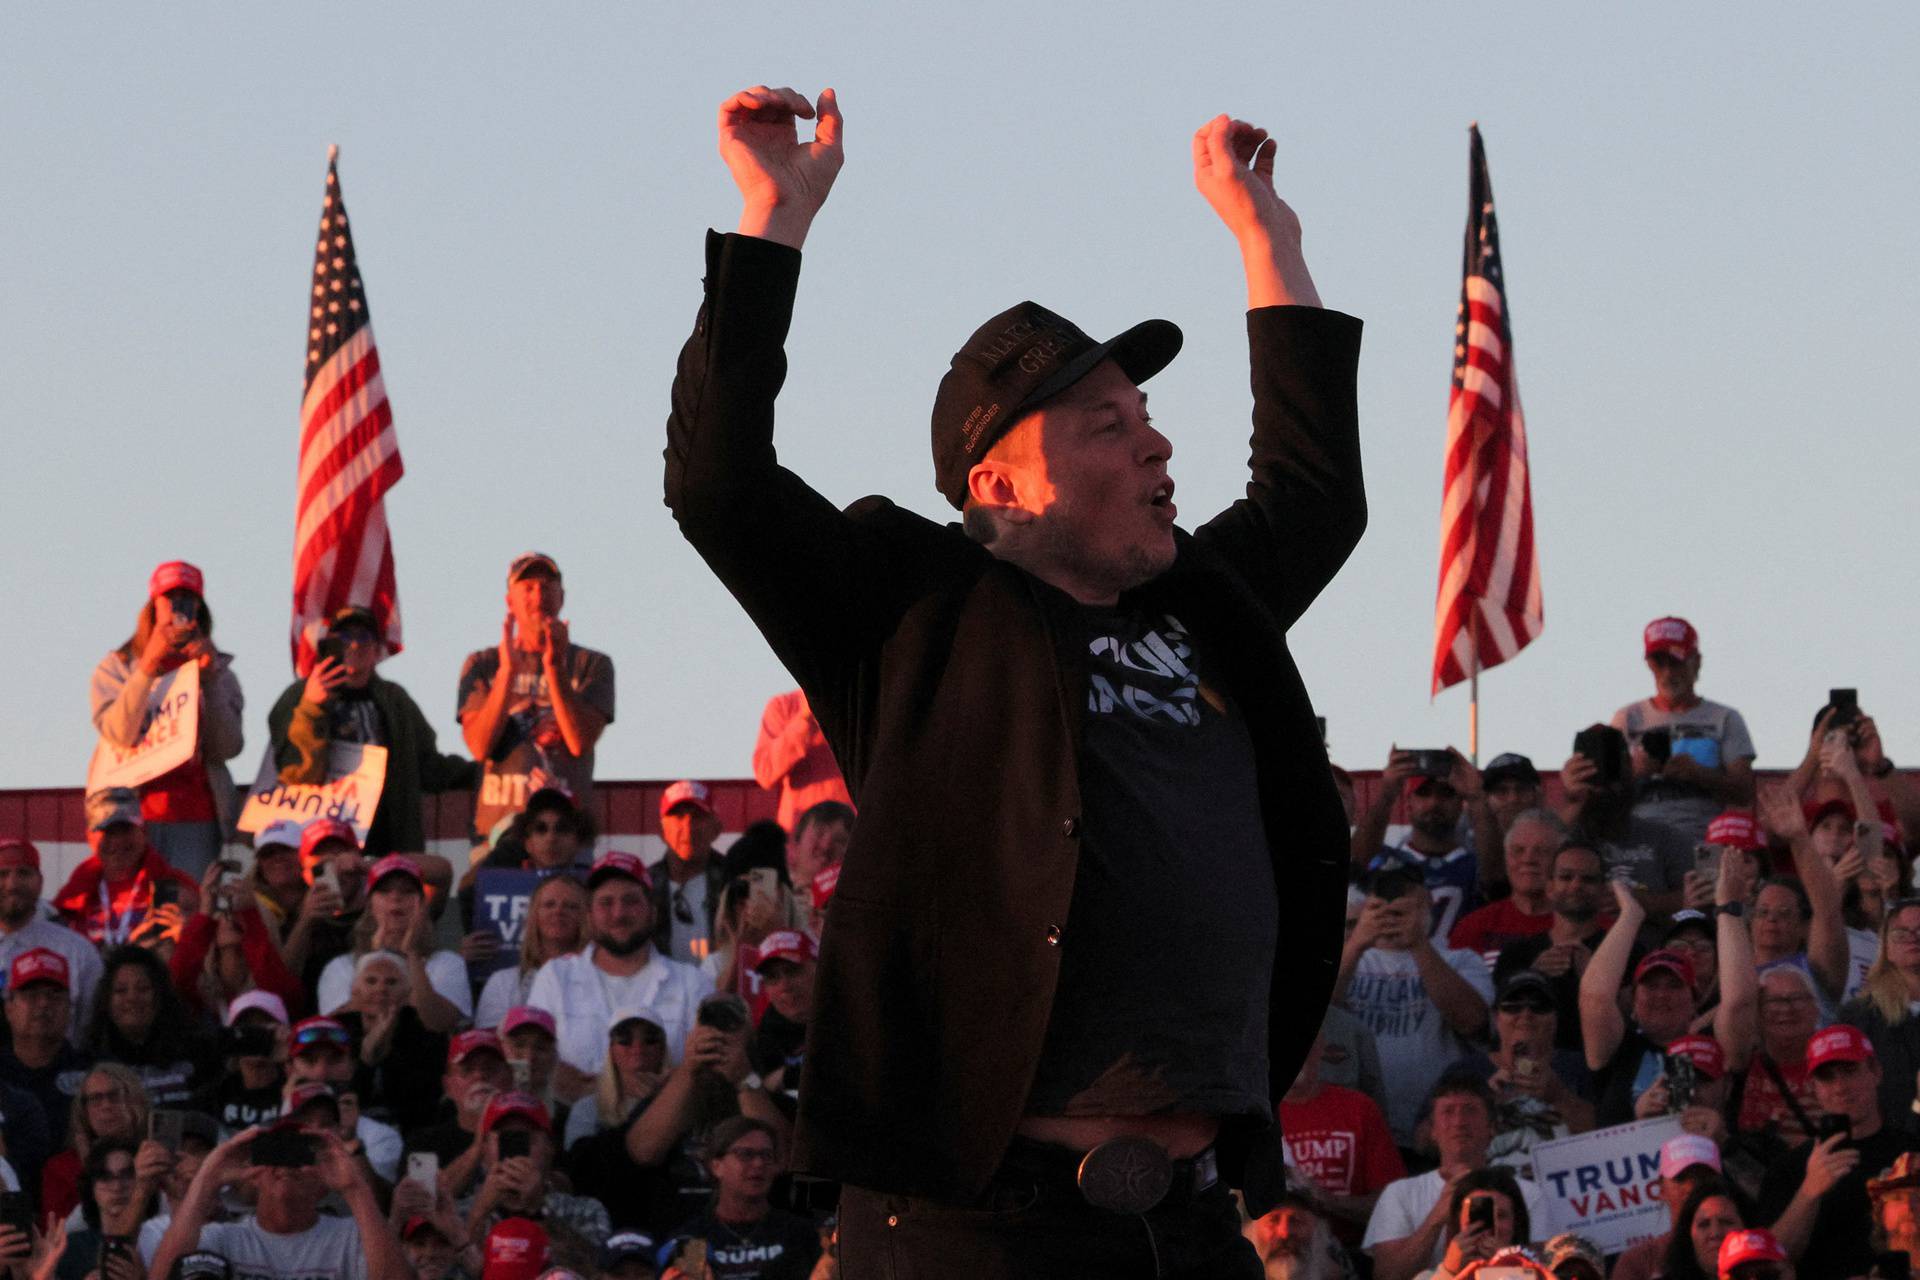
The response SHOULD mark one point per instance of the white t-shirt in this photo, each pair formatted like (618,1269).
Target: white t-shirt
(583,997)
(446,971)
(583,1119)
(1416,1045)
(328,1250)
(1405,1204)
(504,991)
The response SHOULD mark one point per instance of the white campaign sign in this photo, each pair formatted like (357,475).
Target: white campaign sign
(169,734)
(356,775)
(1605,1184)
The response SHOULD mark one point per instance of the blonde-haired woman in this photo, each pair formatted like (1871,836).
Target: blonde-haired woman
(556,925)
(112,1104)
(1884,1009)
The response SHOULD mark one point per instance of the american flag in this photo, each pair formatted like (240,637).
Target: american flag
(349,455)
(1489,599)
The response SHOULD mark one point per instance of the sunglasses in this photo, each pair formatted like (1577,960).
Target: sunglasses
(1525,1006)
(124,1173)
(638,1035)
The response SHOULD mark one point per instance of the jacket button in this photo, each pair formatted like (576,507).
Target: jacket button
(1070,828)
(1053,935)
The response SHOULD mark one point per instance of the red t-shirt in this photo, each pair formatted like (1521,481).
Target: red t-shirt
(1764,1109)
(179,795)
(1493,926)
(1341,1142)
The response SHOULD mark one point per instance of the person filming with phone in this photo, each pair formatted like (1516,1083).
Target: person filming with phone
(1691,758)
(291,1168)
(1485,1213)
(189,810)
(1816,1196)
(342,699)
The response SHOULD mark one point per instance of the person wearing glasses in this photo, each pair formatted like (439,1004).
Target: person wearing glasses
(746,1237)
(343,699)
(1541,1091)
(1888,1006)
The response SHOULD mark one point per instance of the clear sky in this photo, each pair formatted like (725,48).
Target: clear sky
(1707,213)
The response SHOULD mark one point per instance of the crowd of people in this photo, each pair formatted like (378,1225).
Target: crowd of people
(305,1057)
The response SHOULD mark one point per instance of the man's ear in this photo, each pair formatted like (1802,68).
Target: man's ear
(996,484)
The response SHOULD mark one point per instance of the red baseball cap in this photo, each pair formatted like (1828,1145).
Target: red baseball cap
(313,1033)
(418,1223)
(16,851)
(1736,829)
(1704,1052)
(467,1043)
(1674,637)
(525,1105)
(1838,1043)
(175,575)
(325,829)
(686,791)
(1818,808)
(786,944)
(516,1250)
(39,965)
(1677,962)
(300,1097)
(616,862)
(525,1015)
(394,864)
(1756,1244)
(821,890)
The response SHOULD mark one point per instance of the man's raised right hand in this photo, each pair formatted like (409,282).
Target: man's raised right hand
(783,181)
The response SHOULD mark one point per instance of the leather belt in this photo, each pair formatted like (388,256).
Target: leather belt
(1127,1175)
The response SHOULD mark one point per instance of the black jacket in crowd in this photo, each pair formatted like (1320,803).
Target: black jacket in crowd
(952,692)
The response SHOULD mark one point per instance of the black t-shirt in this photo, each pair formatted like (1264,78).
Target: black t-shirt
(781,1246)
(444,1138)
(1167,954)
(236,1107)
(1840,1244)
(1521,953)
(1630,1072)
(404,1087)
(353,716)
(54,1086)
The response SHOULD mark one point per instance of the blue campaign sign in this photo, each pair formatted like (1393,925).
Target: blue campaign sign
(500,900)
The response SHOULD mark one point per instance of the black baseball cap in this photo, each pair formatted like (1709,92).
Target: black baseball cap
(1523,981)
(1508,766)
(1012,363)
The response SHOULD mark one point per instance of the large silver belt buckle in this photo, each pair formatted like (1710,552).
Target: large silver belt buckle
(1126,1175)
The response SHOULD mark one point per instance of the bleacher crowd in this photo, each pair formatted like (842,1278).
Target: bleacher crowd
(299,1054)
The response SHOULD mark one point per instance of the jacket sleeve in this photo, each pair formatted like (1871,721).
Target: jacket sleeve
(190,957)
(1306,503)
(267,965)
(819,584)
(437,772)
(119,696)
(297,735)
(221,705)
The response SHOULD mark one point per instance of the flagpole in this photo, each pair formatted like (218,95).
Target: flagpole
(1473,688)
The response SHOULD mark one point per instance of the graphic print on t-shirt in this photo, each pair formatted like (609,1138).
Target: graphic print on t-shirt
(1167,949)
(1149,674)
